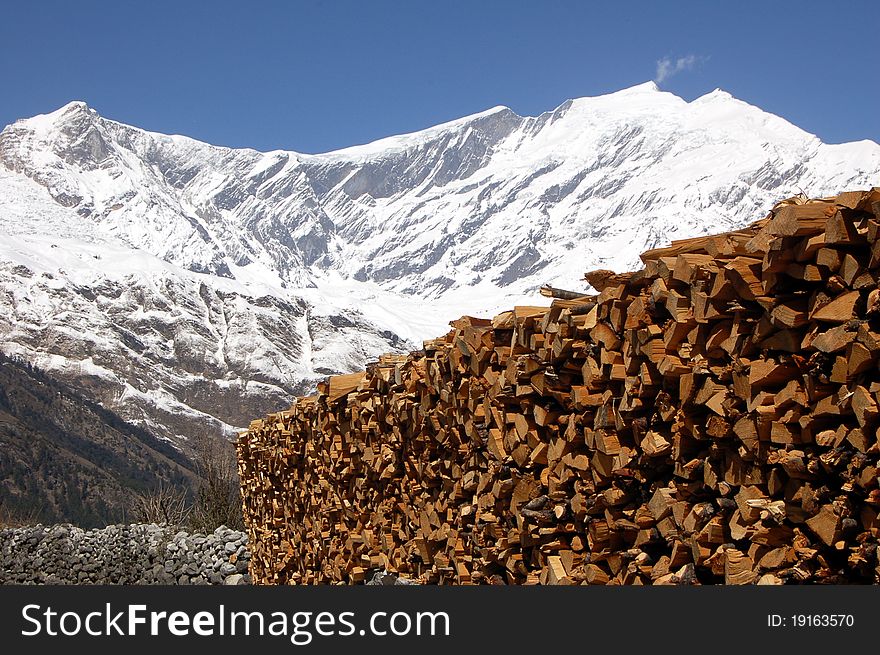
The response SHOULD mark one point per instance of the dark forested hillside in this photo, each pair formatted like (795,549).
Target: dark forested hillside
(64,458)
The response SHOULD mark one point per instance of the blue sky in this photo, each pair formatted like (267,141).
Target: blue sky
(317,75)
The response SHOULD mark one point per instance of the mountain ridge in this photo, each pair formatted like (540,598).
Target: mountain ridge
(648,86)
(223,281)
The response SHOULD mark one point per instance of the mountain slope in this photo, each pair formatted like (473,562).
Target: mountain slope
(192,286)
(64,458)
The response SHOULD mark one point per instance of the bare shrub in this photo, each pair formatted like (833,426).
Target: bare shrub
(16,517)
(217,496)
(163,505)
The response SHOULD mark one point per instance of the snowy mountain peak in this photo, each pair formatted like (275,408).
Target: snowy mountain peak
(715,94)
(74,106)
(54,116)
(483,121)
(645,87)
(48,125)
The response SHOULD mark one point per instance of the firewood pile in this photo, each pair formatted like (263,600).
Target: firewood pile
(711,418)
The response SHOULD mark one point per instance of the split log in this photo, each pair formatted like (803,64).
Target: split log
(712,417)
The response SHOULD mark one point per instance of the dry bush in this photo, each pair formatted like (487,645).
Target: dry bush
(16,517)
(163,505)
(217,497)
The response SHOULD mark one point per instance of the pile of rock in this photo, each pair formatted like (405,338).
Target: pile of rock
(122,554)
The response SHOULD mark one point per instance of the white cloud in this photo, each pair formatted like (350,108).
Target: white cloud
(667,67)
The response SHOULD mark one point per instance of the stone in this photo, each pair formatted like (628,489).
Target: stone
(131,554)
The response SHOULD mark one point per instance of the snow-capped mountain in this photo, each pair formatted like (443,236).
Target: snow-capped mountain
(190,286)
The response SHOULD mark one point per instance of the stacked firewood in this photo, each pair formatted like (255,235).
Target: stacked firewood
(711,418)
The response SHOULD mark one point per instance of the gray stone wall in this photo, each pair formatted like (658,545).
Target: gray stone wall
(122,554)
